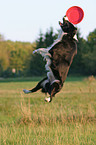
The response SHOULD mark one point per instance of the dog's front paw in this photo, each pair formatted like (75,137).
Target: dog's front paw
(26,91)
(34,51)
(48,99)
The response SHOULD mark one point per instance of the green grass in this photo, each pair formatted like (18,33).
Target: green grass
(70,119)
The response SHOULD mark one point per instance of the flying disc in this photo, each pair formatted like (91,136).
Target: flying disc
(75,14)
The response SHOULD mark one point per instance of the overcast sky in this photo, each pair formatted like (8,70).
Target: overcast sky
(22,20)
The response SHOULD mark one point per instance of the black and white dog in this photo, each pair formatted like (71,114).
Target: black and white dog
(59,58)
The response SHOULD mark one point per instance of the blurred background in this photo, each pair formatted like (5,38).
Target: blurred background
(26,25)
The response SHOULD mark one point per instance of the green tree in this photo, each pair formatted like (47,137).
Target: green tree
(4,58)
(49,37)
(89,54)
(37,63)
(91,40)
(20,56)
(15,55)
(77,66)
(40,41)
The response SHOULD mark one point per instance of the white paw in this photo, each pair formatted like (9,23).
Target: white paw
(26,91)
(47,99)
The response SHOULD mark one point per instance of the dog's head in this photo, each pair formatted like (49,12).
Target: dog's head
(68,27)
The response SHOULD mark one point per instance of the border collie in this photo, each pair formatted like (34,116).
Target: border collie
(59,57)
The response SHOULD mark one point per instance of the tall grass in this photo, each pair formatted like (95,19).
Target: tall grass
(69,119)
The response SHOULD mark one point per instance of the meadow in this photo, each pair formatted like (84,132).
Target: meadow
(70,119)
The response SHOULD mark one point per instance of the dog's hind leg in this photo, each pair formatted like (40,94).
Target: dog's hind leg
(38,87)
(54,88)
(32,90)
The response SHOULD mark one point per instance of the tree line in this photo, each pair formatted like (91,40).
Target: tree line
(16,58)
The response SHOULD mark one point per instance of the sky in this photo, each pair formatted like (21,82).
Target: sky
(22,20)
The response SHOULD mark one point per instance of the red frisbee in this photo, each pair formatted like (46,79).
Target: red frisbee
(75,14)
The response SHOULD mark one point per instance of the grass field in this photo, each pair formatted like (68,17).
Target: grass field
(70,119)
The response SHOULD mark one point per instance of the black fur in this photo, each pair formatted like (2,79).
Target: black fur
(62,54)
